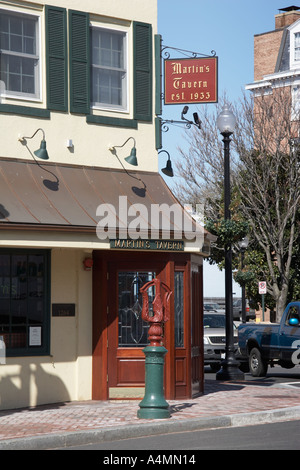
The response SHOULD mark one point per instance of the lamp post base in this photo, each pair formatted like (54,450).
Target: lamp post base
(154,405)
(230,371)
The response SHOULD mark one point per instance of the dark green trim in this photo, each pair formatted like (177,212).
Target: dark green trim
(56,58)
(79,46)
(25,110)
(110,121)
(158,134)
(142,76)
(44,350)
(158,74)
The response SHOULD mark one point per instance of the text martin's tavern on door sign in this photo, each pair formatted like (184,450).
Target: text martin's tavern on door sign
(191,80)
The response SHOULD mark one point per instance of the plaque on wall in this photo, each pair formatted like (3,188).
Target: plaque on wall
(63,310)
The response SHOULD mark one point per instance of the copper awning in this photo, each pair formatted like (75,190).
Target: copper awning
(52,196)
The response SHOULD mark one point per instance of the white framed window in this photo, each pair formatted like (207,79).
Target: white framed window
(19,55)
(297,47)
(109,69)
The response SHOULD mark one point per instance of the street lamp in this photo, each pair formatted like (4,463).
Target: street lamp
(243,245)
(230,366)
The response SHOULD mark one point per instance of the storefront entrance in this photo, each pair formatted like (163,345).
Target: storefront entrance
(120,334)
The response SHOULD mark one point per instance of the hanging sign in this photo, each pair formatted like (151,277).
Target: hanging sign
(191,80)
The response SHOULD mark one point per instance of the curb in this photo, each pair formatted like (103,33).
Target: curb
(76,438)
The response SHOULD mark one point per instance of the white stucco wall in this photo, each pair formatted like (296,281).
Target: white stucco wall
(91,142)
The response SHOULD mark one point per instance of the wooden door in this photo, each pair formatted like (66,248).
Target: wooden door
(119,336)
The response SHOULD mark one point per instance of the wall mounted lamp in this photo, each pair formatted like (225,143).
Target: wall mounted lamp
(168,171)
(42,151)
(132,157)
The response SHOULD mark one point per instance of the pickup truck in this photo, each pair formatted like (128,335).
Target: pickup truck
(265,344)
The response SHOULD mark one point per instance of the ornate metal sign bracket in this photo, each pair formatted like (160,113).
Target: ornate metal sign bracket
(190,54)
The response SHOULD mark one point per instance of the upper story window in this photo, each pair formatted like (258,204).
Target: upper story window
(297,47)
(19,49)
(87,66)
(108,69)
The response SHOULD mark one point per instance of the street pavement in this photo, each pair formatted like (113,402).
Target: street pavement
(223,404)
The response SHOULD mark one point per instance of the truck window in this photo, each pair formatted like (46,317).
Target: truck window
(292,313)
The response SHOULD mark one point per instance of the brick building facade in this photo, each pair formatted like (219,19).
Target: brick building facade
(277,57)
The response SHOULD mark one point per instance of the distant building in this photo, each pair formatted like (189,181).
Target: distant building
(277,60)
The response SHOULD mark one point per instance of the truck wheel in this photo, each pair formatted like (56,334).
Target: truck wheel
(258,367)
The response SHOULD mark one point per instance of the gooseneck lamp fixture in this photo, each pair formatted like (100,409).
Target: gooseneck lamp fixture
(226,122)
(42,151)
(131,159)
(168,171)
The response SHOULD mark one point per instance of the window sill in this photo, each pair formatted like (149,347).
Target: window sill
(111,121)
(25,110)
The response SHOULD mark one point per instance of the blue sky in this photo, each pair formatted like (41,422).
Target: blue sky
(227,27)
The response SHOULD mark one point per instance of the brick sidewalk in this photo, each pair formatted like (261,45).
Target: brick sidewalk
(220,399)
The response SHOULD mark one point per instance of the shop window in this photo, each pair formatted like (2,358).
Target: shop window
(133,331)
(24,302)
(20,56)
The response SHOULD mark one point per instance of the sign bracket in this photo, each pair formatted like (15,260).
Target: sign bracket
(184,52)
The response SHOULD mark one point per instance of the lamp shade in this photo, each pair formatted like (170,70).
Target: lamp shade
(168,171)
(132,157)
(226,121)
(42,151)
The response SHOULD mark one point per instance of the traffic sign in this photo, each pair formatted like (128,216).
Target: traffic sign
(262,287)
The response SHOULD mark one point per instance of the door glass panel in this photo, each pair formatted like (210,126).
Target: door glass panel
(133,331)
(178,309)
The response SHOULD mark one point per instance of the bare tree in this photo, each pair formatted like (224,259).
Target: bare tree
(265,171)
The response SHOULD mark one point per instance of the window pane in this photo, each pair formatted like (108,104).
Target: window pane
(133,331)
(16,339)
(36,311)
(4,312)
(4,265)
(179,310)
(15,25)
(18,312)
(15,43)
(14,83)
(36,265)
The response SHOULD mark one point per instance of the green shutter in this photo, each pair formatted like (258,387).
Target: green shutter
(158,74)
(79,62)
(56,58)
(142,43)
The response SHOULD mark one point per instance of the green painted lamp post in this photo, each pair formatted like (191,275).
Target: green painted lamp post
(154,405)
